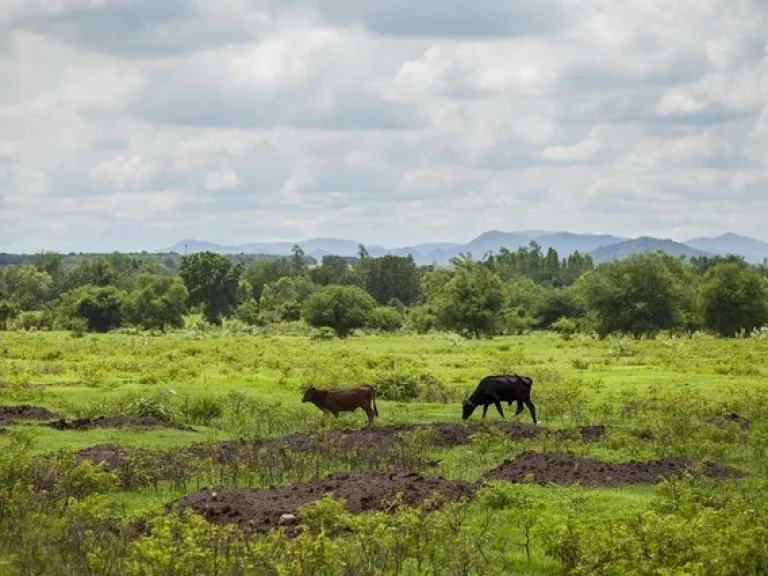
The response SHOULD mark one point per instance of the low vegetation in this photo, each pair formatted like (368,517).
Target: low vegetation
(165,454)
(151,419)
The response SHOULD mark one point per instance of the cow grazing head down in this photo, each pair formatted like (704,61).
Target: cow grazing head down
(310,394)
(466,409)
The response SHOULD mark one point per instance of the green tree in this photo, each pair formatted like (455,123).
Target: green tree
(555,304)
(433,282)
(333,270)
(53,264)
(733,298)
(29,287)
(101,307)
(8,311)
(641,294)
(392,277)
(286,297)
(92,272)
(342,308)
(472,301)
(158,302)
(211,280)
(298,261)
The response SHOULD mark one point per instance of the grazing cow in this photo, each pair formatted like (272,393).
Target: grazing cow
(498,389)
(344,400)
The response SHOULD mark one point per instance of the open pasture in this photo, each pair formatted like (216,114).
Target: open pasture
(213,422)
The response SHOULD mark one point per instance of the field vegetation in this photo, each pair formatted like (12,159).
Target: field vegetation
(151,422)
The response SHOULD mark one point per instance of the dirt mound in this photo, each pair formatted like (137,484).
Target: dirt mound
(9,414)
(110,455)
(115,422)
(260,510)
(366,445)
(567,468)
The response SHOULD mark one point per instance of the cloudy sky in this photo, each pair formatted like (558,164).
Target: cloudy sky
(130,124)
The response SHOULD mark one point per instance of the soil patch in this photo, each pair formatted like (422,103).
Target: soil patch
(111,456)
(369,446)
(567,468)
(115,422)
(9,414)
(261,510)
(365,446)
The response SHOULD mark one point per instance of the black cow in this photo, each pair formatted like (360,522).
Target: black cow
(498,389)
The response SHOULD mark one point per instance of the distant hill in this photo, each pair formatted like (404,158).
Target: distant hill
(602,247)
(643,245)
(754,251)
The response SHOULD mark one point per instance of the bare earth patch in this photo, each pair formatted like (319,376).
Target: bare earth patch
(368,446)
(566,468)
(10,414)
(115,422)
(260,510)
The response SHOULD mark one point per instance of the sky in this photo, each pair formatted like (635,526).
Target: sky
(131,124)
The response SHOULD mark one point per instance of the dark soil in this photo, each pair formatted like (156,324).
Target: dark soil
(110,455)
(365,446)
(567,468)
(9,414)
(260,510)
(371,446)
(115,422)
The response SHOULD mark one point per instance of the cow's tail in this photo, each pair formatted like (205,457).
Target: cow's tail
(373,401)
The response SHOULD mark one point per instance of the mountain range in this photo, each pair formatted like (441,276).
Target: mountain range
(602,247)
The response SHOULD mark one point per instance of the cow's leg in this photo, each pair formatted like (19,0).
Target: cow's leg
(335,413)
(531,409)
(498,407)
(485,410)
(370,414)
(519,407)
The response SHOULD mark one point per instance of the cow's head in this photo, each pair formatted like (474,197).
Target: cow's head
(309,394)
(466,409)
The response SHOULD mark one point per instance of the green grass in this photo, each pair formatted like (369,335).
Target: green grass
(662,384)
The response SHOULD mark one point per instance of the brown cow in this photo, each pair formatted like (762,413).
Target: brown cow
(344,400)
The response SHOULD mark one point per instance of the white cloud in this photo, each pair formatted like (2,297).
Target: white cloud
(131,124)
(583,150)
(676,102)
(226,180)
(125,171)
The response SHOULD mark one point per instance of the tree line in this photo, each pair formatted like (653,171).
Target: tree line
(502,293)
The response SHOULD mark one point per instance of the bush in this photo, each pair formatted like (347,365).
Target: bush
(100,307)
(422,319)
(385,319)
(397,386)
(159,302)
(566,327)
(8,311)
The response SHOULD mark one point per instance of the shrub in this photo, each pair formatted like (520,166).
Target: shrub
(385,319)
(566,327)
(397,386)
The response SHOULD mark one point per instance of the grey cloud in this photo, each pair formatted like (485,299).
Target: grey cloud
(137,28)
(449,18)
(200,103)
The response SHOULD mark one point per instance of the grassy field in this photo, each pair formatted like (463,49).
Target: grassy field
(657,398)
